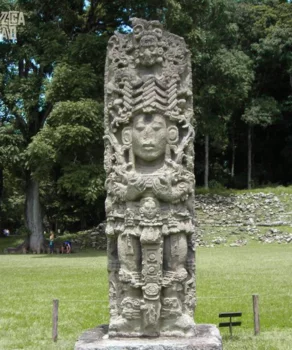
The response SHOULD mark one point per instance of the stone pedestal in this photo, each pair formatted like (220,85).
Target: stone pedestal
(207,338)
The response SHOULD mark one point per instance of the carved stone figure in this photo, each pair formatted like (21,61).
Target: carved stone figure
(150,183)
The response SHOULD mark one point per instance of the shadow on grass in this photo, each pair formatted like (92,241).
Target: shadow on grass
(227,338)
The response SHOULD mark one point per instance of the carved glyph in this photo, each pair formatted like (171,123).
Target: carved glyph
(150,183)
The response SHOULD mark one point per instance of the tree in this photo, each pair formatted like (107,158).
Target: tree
(222,76)
(70,37)
(261,111)
(265,36)
(11,146)
(51,95)
(27,65)
(69,152)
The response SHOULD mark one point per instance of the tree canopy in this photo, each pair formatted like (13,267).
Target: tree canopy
(51,101)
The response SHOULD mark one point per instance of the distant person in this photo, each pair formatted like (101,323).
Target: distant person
(6,232)
(66,247)
(52,238)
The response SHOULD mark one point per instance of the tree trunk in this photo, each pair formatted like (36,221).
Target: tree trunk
(206,175)
(83,223)
(1,184)
(33,216)
(233,158)
(249,155)
(1,195)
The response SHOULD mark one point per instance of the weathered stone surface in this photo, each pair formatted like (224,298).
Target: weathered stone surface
(207,337)
(150,183)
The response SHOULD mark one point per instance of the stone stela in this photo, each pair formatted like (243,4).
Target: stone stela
(149,161)
(150,183)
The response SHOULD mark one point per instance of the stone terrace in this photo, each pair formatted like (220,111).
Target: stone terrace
(237,218)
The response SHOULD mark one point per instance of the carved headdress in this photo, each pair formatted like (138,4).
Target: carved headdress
(148,71)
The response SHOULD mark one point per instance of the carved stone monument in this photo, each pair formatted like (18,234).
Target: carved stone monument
(150,187)
(150,183)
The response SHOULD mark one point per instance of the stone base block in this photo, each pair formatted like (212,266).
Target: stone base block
(207,338)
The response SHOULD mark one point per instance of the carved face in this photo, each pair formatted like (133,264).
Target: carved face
(149,137)
(149,208)
(148,50)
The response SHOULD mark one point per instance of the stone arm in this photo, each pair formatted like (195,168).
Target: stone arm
(136,186)
(130,191)
(181,191)
(166,190)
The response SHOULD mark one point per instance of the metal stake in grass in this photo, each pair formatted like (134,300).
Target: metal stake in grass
(55,319)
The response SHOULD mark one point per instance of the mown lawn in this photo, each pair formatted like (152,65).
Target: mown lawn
(226,279)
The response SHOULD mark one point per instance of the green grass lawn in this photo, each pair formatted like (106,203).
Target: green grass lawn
(226,279)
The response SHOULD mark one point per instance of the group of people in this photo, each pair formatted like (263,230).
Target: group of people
(66,247)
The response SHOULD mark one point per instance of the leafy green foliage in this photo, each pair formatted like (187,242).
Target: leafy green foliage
(51,93)
(223,74)
(50,81)
(11,145)
(261,111)
(84,181)
(71,83)
(69,150)
(12,200)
